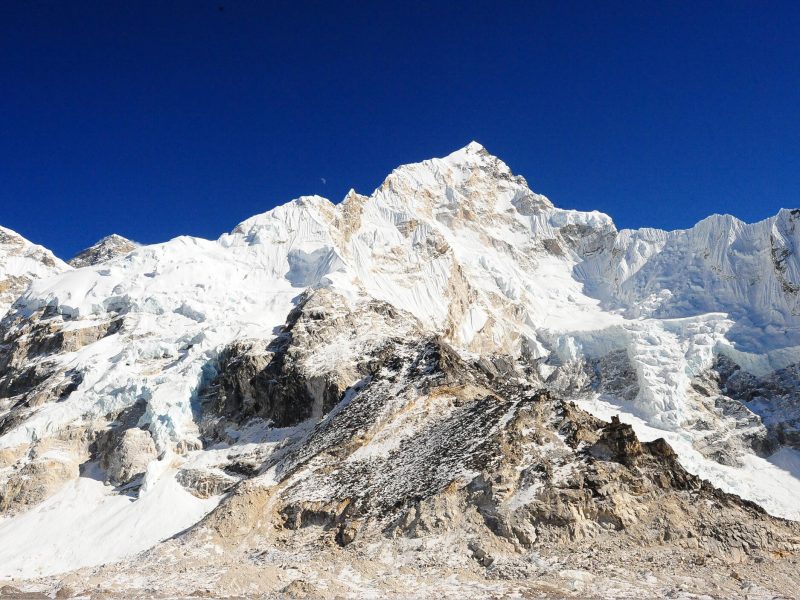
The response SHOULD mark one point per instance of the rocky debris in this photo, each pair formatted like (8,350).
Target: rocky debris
(421,417)
(12,593)
(65,592)
(204,483)
(301,589)
(107,248)
(480,554)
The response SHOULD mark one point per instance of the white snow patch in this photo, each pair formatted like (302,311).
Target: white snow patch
(86,523)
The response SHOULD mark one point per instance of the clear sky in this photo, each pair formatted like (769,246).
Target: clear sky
(155,119)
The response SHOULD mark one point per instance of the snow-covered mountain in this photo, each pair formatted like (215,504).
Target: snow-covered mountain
(177,373)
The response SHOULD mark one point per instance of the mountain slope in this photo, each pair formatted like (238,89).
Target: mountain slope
(177,372)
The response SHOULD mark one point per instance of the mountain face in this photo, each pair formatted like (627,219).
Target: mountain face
(109,247)
(451,380)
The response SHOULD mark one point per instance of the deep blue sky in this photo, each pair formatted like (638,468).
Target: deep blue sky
(154,119)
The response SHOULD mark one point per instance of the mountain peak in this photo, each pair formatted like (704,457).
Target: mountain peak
(474,148)
(105,249)
(471,153)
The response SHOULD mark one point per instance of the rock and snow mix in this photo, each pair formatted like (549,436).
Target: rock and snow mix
(163,375)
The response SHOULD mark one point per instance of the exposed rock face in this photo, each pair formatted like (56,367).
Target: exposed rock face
(29,375)
(731,429)
(324,348)
(430,443)
(128,455)
(36,481)
(423,443)
(30,380)
(773,397)
(618,442)
(30,476)
(109,247)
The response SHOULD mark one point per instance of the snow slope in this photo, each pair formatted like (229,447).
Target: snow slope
(468,249)
(101,526)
